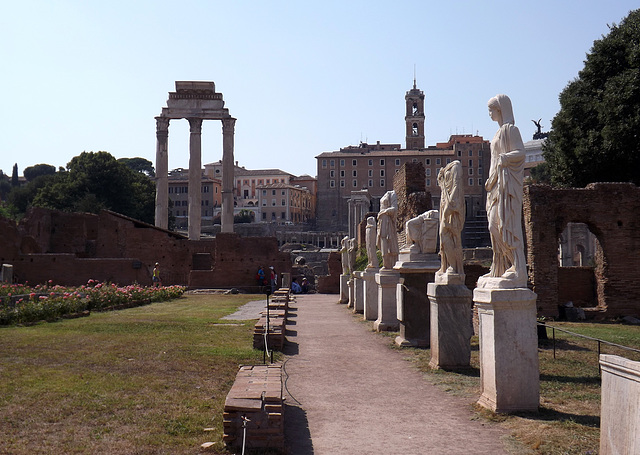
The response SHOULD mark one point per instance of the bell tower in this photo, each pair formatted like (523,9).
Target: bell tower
(414,118)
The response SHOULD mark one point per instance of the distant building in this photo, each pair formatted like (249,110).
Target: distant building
(283,203)
(211,203)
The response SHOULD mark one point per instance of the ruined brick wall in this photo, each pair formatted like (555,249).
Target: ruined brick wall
(413,199)
(330,284)
(578,285)
(612,213)
(71,248)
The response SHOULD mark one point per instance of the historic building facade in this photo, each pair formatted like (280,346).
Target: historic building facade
(371,167)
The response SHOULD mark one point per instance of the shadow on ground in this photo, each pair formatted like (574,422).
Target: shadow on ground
(297,438)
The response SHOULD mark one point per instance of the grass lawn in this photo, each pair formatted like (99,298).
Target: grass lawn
(145,380)
(569,417)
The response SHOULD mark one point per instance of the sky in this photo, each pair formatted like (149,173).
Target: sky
(300,77)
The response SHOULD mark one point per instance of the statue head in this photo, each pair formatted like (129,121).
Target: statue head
(371,222)
(388,200)
(500,109)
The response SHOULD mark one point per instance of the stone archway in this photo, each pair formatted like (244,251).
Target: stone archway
(612,213)
(194,101)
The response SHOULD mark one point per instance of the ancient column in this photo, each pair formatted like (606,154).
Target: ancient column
(195,177)
(228,127)
(162,170)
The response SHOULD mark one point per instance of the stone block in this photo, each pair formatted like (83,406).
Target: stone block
(620,406)
(370,294)
(358,292)
(387,320)
(344,289)
(451,326)
(509,371)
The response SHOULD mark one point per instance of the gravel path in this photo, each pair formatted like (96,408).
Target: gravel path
(350,394)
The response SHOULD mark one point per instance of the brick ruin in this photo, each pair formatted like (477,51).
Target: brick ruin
(612,213)
(71,248)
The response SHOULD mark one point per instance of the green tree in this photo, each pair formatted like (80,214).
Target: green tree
(14,176)
(32,172)
(244,216)
(139,165)
(96,181)
(540,174)
(595,136)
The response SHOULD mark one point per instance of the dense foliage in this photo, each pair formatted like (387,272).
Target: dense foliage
(21,304)
(91,182)
(595,136)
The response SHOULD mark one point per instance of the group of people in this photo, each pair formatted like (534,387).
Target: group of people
(272,280)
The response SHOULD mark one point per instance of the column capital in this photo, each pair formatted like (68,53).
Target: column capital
(162,126)
(228,125)
(195,124)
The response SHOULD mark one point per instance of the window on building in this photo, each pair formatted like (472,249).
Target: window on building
(438,162)
(427,161)
(332,183)
(170,189)
(284,202)
(332,163)
(414,160)
(324,164)
(354,162)
(479,182)
(470,182)
(470,152)
(355,183)
(341,183)
(341,173)
(273,192)
(283,193)
(264,215)
(459,152)
(470,171)
(370,172)
(273,202)
(381,182)
(342,163)
(479,152)
(269,181)
(332,174)
(382,162)
(470,163)
(370,183)
(355,173)
(397,162)
(264,192)
(264,202)
(246,194)
(370,162)
(428,172)
(428,182)
(381,172)
(414,129)
(448,160)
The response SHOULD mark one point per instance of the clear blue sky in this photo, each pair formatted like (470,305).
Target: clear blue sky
(301,77)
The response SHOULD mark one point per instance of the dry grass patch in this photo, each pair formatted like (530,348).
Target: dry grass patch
(145,380)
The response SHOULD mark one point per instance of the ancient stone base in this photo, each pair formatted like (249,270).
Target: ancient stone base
(509,371)
(451,326)
(620,408)
(413,309)
(387,320)
(358,292)
(344,289)
(352,293)
(370,294)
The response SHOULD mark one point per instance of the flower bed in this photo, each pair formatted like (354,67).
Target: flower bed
(21,304)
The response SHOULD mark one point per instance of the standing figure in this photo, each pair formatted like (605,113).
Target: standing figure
(452,213)
(372,253)
(344,255)
(352,254)
(155,276)
(504,196)
(387,239)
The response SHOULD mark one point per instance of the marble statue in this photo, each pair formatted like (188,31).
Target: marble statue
(504,200)
(372,253)
(344,255)
(387,238)
(422,232)
(452,214)
(352,254)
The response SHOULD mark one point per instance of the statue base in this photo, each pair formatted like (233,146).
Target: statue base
(387,320)
(344,289)
(370,294)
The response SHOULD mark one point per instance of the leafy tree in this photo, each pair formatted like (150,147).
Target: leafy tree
(139,165)
(540,174)
(244,216)
(96,181)
(32,172)
(595,136)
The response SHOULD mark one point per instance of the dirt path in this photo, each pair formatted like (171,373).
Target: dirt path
(357,396)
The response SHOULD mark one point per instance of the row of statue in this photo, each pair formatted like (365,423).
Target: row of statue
(504,211)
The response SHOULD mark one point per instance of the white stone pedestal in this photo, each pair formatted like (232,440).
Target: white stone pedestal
(344,288)
(509,371)
(358,292)
(370,294)
(620,408)
(387,280)
(451,325)
(352,297)
(416,270)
